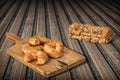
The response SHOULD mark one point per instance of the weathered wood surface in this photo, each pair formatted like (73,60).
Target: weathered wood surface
(52,18)
(53,67)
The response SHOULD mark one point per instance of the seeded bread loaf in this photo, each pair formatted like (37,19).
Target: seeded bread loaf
(90,33)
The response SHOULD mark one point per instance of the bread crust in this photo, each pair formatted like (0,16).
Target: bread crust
(54,49)
(90,33)
(39,48)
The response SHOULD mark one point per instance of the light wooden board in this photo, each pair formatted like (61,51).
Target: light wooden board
(53,66)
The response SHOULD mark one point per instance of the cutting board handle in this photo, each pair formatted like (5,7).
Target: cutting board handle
(12,37)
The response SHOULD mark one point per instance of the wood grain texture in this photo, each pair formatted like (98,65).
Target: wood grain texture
(79,72)
(5,58)
(18,68)
(107,11)
(53,66)
(40,29)
(94,53)
(51,18)
(5,22)
(106,18)
(5,8)
(108,50)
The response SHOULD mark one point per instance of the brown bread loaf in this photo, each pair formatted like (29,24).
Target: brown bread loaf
(90,33)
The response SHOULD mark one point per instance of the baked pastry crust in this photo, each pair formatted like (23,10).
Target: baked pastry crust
(40,56)
(54,49)
(90,33)
(34,41)
(39,48)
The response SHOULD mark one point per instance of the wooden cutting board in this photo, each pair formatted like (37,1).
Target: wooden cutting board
(53,66)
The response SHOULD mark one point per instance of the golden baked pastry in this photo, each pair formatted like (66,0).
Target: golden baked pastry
(54,48)
(39,48)
(42,39)
(90,33)
(34,41)
(27,48)
(40,56)
(37,40)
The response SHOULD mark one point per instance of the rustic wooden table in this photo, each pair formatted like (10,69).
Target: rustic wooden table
(52,18)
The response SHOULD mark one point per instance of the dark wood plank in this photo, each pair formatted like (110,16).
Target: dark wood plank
(108,20)
(18,68)
(27,32)
(108,50)
(113,4)
(74,19)
(112,8)
(37,76)
(40,30)
(96,18)
(98,60)
(111,52)
(4,59)
(5,7)
(2,2)
(82,69)
(100,19)
(54,29)
(55,34)
(5,22)
(107,11)
(52,18)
